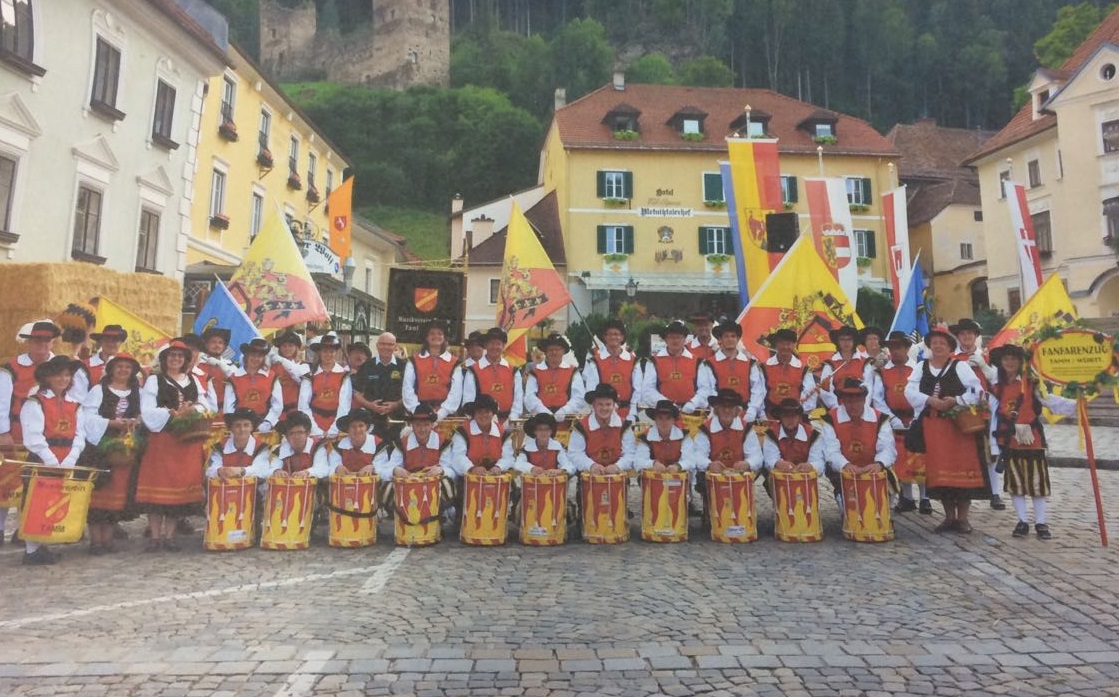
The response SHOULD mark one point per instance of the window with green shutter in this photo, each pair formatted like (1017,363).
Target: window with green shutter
(614,184)
(713,188)
(615,239)
(715,240)
(859,191)
(865,244)
(789,189)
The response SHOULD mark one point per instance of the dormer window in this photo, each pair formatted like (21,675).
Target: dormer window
(821,126)
(623,121)
(692,126)
(756,125)
(688,122)
(825,130)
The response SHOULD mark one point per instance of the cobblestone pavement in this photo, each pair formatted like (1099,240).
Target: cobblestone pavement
(924,615)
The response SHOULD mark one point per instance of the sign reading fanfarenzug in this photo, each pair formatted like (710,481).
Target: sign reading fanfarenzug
(1075,356)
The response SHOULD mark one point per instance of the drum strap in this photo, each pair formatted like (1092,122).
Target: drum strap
(351,514)
(402,516)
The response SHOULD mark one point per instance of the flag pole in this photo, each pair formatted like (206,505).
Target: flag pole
(594,339)
(1082,412)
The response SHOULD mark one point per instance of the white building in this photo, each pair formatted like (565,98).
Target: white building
(100,102)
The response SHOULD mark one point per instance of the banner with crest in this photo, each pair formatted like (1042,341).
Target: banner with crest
(832,229)
(419,296)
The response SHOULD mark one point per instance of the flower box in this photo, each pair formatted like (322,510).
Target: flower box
(264,158)
(615,202)
(312,194)
(219,221)
(228,131)
(294,182)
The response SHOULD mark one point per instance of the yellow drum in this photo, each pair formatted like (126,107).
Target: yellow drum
(731,508)
(796,507)
(664,506)
(604,508)
(543,510)
(353,510)
(11,481)
(55,503)
(417,510)
(485,515)
(866,507)
(230,514)
(692,422)
(288,507)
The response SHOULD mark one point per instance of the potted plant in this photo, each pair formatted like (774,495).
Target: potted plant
(863,264)
(219,221)
(294,182)
(789,205)
(312,194)
(859,207)
(625,134)
(718,263)
(228,131)
(692,137)
(614,202)
(715,204)
(825,140)
(616,263)
(264,157)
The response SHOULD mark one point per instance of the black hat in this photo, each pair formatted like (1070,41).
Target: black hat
(872,330)
(210,332)
(613,323)
(790,404)
(553,339)
(700,316)
(852,387)
(435,324)
(54,366)
(603,390)
(898,339)
(782,335)
(136,367)
(111,332)
(725,327)
(664,406)
(939,330)
(474,338)
(725,397)
(1000,352)
(328,340)
(256,345)
(292,420)
(423,412)
(193,341)
(966,324)
(482,401)
(536,420)
(44,329)
(241,414)
(675,327)
(495,333)
(361,414)
(359,346)
(288,337)
(844,331)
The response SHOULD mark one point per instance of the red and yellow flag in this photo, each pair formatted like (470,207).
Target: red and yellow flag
(1050,306)
(756,188)
(801,294)
(340,203)
(531,289)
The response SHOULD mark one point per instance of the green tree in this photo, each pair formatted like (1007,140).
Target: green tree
(581,58)
(707,71)
(651,69)
(1074,24)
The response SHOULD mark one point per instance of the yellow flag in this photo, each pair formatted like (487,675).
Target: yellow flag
(272,284)
(144,340)
(1050,306)
(802,295)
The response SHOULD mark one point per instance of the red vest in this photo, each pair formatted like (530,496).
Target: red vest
(23,379)
(421,457)
(297,462)
(702,353)
(325,387)
(544,459)
(60,423)
(618,373)
(483,449)
(95,372)
(732,374)
(728,446)
(497,381)
(676,377)
(289,388)
(1028,411)
(433,383)
(858,441)
(354,460)
(782,381)
(237,458)
(217,378)
(963,358)
(664,451)
(843,369)
(894,380)
(794,450)
(253,392)
(554,386)
(604,446)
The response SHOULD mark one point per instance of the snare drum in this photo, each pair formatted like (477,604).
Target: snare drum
(664,506)
(417,510)
(230,514)
(543,510)
(796,507)
(866,507)
(909,467)
(485,515)
(288,506)
(55,503)
(730,506)
(353,510)
(604,508)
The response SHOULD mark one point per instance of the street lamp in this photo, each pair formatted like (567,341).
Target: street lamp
(631,288)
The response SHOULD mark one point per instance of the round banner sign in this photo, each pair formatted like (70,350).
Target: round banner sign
(1076,355)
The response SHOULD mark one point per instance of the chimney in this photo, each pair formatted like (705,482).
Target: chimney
(482,229)
(469,241)
(620,80)
(457,248)
(561,98)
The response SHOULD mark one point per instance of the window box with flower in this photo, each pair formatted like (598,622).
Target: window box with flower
(715,204)
(264,158)
(615,202)
(625,134)
(825,140)
(692,137)
(228,131)
(294,182)
(219,221)
(312,193)
(858,207)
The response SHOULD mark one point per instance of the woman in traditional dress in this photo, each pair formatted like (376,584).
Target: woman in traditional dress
(170,485)
(955,471)
(112,411)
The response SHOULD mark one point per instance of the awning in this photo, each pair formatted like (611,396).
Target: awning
(662,282)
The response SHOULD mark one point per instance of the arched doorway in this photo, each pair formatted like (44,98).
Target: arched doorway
(1107,296)
(980,300)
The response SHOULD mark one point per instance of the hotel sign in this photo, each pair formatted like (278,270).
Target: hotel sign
(665,212)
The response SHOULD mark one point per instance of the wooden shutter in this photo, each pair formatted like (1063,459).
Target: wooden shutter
(703,240)
(712,186)
(601,237)
(728,236)
(792,187)
(601,184)
(865,184)
(871,249)
(627,184)
(627,244)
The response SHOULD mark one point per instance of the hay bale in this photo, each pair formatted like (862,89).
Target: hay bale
(42,290)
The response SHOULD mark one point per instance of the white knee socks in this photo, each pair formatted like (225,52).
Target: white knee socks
(1020,508)
(1040,510)
(996,479)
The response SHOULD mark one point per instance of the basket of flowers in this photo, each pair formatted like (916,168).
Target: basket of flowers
(191,427)
(970,419)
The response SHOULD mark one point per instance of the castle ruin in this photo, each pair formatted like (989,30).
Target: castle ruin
(404,43)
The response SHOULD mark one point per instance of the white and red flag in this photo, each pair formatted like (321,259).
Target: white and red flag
(1029,258)
(832,230)
(897,239)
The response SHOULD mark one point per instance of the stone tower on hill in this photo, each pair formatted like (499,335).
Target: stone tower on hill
(402,43)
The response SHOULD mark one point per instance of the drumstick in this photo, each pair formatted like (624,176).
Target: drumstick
(555,498)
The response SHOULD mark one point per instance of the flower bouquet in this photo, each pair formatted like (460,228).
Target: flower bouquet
(191,427)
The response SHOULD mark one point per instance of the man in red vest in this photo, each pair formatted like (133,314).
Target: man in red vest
(611,362)
(432,376)
(239,455)
(477,444)
(726,443)
(420,452)
(846,362)
(601,442)
(889,398)
(494,376)
(360,451)
(666,446)
(791,444)
(294,457)
(255,387)
(553,387)
(856,436)
(784,375)
(731,368)
(212,361)
(674,373)
(701,343)
(289,370)
(109,341)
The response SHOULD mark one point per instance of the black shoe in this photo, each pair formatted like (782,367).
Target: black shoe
(905,505)
(40,557)
(1021,529)
(1043,532)
(926,507)
(997,504)
(183,527)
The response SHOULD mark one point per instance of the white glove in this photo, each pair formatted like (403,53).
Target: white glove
(1023,434)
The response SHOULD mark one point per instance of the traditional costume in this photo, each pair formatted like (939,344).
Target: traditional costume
(674,377)
(673,448)
(619,370)
(558,391)
(321,390)
(113,500)
(734,371)
(782,379)
(259,392)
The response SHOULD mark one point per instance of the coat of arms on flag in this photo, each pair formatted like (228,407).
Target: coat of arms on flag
(425,299)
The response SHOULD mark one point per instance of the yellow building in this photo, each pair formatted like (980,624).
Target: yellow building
(1063,146)
(640,198)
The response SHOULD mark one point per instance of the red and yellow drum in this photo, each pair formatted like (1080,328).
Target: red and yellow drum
(604,508)
(55,503)
(485,514)
(230,514)
(288,506)
(664,506)
(866,507)
(731,507)
(353,510)
(11,481)
(543,510)
(796,507)
(909,467)
(417,510)
(563,430)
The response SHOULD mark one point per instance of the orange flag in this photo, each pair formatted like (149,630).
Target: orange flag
(340,203)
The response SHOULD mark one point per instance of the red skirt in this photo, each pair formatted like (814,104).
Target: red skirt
(171,475)
(954,468)
(909,467)
(112,502)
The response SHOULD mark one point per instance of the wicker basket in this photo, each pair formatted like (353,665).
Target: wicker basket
(970,422)
(191,428)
